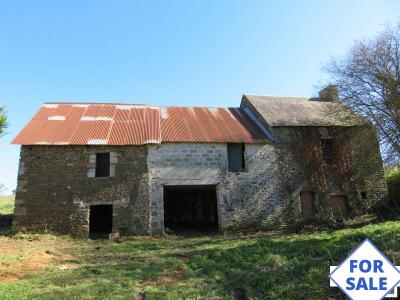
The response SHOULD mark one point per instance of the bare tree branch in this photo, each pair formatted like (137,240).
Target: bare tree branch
(368,79)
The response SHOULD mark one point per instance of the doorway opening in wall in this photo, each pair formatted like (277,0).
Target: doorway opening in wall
(100,221)
(190,210)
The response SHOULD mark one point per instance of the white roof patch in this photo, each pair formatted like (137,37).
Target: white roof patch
(126,107)
(56,118)
(190,109)
(152,142)
(164,112)
(97,142)
(96,119)
(214,111)
(50,105)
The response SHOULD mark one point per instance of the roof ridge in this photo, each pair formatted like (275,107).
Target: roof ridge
(99,103)
(139,104)
(275,96)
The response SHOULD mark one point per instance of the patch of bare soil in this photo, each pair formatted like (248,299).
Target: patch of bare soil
(171,278)
(27,257)
(20,269)
(7,248)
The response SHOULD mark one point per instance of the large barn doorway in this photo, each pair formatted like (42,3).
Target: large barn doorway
(190,209)
(100,221)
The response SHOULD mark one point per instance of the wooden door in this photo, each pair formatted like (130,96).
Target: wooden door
(307,204)
(339,206)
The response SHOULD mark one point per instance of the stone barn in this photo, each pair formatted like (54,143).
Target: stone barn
(94,169)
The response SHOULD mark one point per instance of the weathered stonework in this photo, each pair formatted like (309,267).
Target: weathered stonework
(357,169)
(357,172)
(56,184)
(56,188)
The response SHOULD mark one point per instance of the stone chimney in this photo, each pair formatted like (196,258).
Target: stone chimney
(329,94)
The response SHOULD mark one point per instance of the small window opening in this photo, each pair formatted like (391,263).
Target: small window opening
(307,204)
(236,160)
(364,195)
(103,165)
(328,150)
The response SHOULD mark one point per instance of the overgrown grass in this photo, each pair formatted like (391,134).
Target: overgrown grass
(6,210)
(6,205)
(265,266)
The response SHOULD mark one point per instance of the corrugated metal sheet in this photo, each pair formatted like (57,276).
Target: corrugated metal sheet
(202,124)
(128,124)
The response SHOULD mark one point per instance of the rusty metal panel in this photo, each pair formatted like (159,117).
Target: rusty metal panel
(136,127)
(152,121)
(29,132)
(201,124)
(129,124)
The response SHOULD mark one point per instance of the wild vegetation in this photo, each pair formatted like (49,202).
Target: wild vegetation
(260,265)
(392,176)
(351,162)
(3,121)
(368,78)
(6,205)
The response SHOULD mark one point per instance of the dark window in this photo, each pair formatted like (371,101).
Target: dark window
(328,150)
(364,195)
(307,204)
(103,165)
(236,157)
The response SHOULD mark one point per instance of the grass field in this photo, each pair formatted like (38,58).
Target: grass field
(43,266)
(6,205)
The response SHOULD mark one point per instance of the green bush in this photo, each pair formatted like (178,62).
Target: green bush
(392,177)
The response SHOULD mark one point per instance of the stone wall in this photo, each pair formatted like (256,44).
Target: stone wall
(356,173)
(56,186)
(244,198)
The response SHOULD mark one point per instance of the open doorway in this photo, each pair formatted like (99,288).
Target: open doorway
(100,221)
(190,209)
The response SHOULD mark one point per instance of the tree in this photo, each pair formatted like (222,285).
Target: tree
(368,78)
(3,121)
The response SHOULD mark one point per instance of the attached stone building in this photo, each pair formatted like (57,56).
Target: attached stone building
(137,169)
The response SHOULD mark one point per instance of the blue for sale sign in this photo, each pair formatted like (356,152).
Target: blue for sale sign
(366,274)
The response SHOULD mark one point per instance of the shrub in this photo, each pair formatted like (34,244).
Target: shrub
(392,177)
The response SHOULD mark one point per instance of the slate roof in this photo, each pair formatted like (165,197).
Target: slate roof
(132,124)
(301,111)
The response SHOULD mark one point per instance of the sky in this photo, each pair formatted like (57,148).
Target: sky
(175,52)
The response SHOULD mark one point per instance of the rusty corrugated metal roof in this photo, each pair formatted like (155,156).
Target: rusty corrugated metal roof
(132,124)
